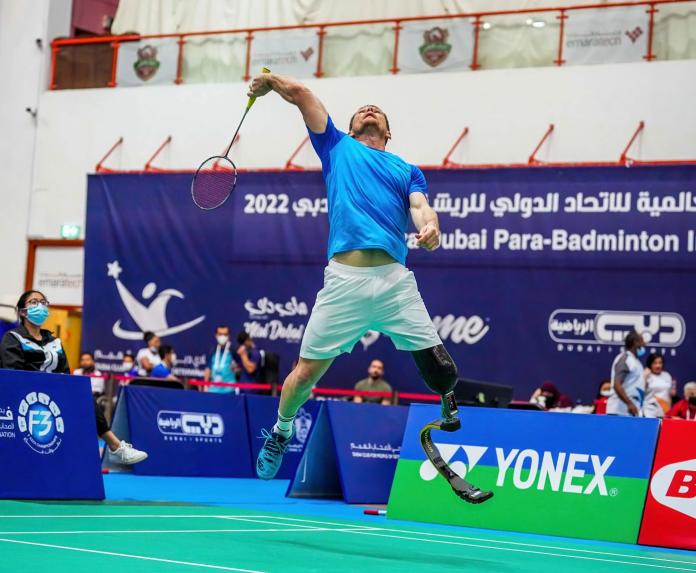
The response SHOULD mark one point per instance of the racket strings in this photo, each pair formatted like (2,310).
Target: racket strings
(213,182)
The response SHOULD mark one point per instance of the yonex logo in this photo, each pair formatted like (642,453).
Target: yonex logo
(674,486)
(610,327)
(190,424)
(448,452)
(526,469)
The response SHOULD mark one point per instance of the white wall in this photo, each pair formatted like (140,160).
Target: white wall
(595,110)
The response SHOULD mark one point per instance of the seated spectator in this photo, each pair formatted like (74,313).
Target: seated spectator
(89,368)
(129,368)
(686,408)
(148,357)
(658,387)
(168,360)
(374,383)
(249,358)
(221,367)
(548,397)
(603,393)
(29,347)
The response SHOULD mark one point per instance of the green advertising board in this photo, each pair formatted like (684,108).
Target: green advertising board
(557,474)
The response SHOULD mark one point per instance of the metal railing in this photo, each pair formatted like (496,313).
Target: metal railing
(478,20)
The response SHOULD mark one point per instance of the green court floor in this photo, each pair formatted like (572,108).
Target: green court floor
(136,537)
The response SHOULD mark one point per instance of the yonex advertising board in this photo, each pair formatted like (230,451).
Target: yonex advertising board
(558,474)
(48,437)
(670,509)
(187,433)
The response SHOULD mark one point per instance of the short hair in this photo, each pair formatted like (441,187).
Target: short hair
(655,356)
(165,349)
(219,326)
(352,117)
(87,353)
(148,335)
(242,337)
(690,386)
(632,339)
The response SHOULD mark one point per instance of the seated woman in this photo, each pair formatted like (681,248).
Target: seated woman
(30,347)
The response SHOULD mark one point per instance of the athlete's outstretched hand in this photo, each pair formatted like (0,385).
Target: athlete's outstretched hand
(260,85)
(428,237)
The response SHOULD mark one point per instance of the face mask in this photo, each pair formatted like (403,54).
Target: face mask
(222,339)
(692,400)
(37,314)
(154,349)
(641,351)
(606,393)
(127,366)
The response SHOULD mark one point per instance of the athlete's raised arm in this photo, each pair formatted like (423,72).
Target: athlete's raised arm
(425,220)
(313,111)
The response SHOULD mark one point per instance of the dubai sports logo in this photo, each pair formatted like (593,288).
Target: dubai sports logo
(39,420)
(148,315)
(435,48)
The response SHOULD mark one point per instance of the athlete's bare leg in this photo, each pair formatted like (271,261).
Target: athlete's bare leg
(298,385)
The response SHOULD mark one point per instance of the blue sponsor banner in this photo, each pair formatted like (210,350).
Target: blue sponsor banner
(188,433)
(48,437)
(523,306)
(616,446)
(351,453)
(262,412)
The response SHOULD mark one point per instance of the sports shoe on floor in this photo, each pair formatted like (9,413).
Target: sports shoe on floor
(127,454)
(271,455)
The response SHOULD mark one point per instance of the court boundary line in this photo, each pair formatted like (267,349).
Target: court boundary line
(130,556)
(157,531)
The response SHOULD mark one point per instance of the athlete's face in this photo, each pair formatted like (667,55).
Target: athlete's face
(369,117)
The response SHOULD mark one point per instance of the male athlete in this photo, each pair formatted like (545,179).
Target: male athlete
(366,285)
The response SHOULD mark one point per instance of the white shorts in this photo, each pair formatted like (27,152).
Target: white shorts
(357,299)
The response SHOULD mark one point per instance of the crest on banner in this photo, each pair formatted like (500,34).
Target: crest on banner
(147,64)
(435,48)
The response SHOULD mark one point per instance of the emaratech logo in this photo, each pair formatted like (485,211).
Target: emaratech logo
(529,469)
(450,452)
(675,487)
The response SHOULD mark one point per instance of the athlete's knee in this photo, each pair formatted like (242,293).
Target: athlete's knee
(437,368)
(308,372)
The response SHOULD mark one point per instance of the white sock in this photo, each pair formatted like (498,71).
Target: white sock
(283,425)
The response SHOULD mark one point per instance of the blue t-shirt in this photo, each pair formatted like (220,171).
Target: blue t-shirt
(368,194)
(160,371)
(255,356)
(220,363)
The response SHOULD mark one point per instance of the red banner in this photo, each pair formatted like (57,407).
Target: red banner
(669,519)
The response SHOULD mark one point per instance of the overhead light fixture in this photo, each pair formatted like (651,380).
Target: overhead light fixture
(486,25)
(538,24)
(529,21)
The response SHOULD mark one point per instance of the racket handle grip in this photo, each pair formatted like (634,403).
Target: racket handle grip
(251,101)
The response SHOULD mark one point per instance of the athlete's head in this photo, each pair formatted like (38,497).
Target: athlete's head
(243,339)
(376,369)
(656,363)
(369,119)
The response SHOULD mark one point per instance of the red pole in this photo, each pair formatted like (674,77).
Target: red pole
(624,155)
(650,56)
(180,60)
(247,68)
(395,59)
(98,168)
(148,164)
(477,28)
(559,61)
(54,54)
(320,56)
(446,161)
(114,64)
(289,163)
(532,158)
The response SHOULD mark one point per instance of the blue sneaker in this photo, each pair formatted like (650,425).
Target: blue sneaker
(271,455)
